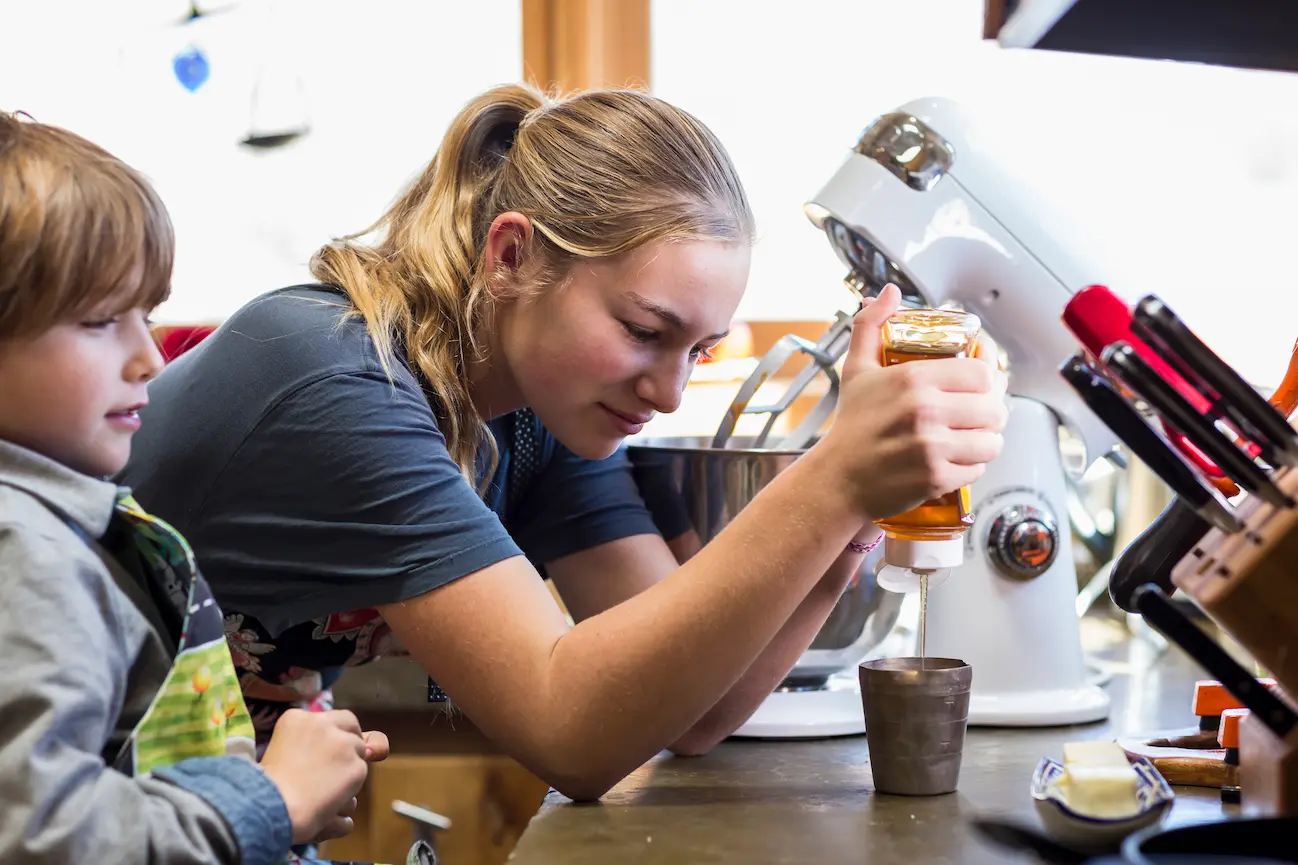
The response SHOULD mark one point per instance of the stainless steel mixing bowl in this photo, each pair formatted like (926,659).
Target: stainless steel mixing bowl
(689,483)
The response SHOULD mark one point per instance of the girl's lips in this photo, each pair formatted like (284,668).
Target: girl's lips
(626,424)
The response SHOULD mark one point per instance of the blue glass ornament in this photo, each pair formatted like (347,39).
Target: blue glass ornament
(191,68)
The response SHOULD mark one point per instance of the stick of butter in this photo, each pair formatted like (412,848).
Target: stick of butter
(1098,781)
(1094,753)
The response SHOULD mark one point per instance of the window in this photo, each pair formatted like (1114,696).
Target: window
(380,81)
(1186,176)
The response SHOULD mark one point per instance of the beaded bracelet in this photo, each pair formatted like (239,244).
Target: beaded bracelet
(857,547)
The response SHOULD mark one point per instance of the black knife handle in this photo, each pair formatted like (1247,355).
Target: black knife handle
(1154,322)
(1173,624)
(1176,410)
(1146,442)
(1151,557)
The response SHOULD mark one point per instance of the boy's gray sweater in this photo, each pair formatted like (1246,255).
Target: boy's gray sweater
(79,666)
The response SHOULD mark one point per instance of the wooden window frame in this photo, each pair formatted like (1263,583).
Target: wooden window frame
(586,44)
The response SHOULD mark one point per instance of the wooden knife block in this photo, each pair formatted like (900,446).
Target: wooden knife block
(1268,770)
(1248,583)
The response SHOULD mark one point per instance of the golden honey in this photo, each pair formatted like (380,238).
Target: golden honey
(925,334)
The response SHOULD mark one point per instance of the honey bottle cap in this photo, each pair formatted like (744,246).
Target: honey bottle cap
(923,554)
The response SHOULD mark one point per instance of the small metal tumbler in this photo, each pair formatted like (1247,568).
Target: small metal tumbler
(915,718)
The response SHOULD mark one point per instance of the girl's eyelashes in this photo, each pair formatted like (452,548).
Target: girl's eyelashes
(644,334)
(638,333)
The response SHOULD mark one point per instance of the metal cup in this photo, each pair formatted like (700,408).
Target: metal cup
(915,718)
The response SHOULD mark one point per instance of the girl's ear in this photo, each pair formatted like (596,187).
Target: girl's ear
(506,245)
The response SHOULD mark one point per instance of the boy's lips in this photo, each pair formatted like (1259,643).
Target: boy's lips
(127,418)
(129,410)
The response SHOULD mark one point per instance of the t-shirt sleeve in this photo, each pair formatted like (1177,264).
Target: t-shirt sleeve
(344,496)
(576,504)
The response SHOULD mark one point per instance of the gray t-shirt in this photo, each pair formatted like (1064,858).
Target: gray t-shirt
(311,486)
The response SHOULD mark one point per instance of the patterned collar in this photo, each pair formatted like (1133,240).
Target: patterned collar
(87,501)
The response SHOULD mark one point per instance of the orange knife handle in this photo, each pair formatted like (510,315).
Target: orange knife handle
(1285,398)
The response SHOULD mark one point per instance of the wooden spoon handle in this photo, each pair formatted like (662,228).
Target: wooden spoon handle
(1196,772)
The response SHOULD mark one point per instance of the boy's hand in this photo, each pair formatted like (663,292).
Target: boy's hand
(376,751)
(318,761)
(376,746)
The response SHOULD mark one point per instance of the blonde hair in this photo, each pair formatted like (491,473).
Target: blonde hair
(598,174)
(78,227)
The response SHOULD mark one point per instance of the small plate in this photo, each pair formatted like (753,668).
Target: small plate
(1065,825)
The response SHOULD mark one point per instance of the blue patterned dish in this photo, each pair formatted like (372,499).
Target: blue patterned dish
(1063,824)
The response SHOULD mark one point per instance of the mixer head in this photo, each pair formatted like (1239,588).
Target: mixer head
(923,200)
(916,155)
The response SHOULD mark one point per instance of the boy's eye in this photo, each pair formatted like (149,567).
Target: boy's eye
(99,324)
(702,352)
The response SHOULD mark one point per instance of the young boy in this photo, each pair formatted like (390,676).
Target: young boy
(123,734)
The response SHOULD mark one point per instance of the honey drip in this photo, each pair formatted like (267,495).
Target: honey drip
(923,621)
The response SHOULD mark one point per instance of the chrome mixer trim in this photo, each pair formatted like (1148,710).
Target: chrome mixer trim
(1023,541)
(869,268)
(908,148)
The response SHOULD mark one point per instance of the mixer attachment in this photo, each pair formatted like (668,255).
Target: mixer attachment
(824,354)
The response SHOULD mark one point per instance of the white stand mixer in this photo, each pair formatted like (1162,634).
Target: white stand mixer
(921,202)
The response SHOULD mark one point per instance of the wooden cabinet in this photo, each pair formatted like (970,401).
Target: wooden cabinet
(439,761)
(488,798)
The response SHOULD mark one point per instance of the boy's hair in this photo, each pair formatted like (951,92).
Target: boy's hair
(78,228)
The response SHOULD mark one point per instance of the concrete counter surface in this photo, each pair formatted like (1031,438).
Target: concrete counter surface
(812,802)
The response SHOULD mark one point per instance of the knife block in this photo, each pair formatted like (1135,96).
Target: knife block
(1268,770)
(1248,582)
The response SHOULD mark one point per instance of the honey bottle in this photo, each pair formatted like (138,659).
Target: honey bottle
(928,538)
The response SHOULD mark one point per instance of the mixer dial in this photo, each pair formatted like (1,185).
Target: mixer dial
(1023,541)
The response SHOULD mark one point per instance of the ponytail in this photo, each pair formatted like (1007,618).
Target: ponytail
(420,288)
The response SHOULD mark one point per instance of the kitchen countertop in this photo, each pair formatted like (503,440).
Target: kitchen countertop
(812,801)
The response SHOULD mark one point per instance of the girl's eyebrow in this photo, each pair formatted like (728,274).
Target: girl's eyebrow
(670,316)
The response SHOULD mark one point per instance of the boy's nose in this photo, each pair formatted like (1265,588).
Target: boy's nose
(146,361)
